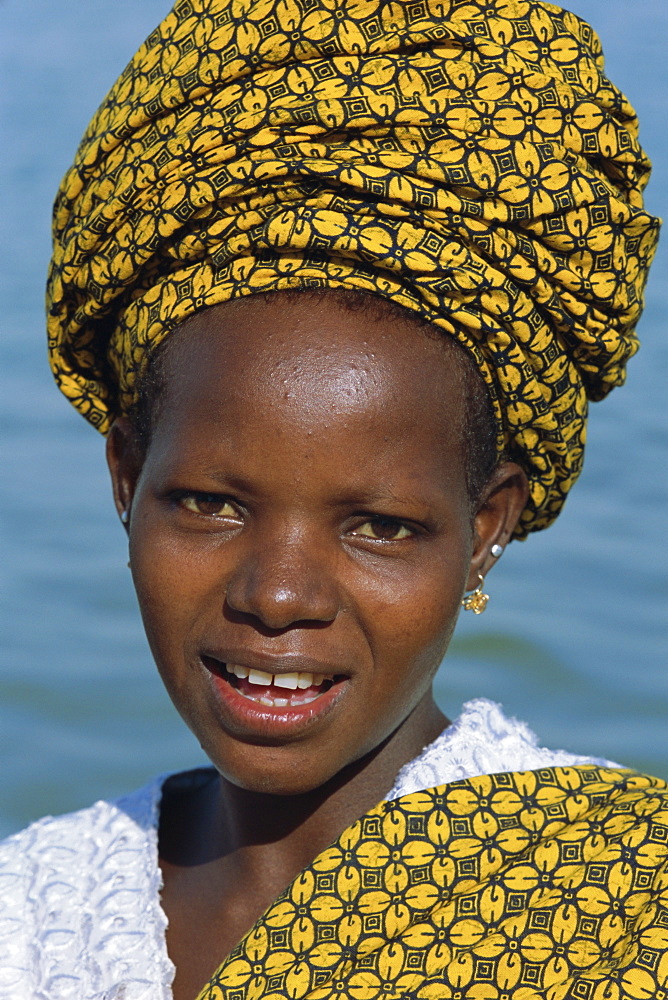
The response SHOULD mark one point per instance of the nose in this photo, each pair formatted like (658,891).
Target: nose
(283,581)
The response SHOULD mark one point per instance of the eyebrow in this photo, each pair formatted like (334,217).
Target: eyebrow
(355,495)
(375,496)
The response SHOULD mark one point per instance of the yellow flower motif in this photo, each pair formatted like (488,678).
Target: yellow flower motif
(498,192)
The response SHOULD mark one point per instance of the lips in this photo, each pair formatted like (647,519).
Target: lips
(277,701)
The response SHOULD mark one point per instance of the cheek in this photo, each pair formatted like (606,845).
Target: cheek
(411,618)
(171,593)
(170,586)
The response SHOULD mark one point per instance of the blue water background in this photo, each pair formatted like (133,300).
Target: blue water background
(574,637)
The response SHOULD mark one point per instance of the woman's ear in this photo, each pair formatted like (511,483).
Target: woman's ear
(503,500)
(123,459)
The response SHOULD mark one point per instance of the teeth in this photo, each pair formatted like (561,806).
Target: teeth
(290,681)
(278,702)
(259,677)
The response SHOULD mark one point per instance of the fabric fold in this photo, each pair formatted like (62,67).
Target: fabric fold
(533,885)
(467,160)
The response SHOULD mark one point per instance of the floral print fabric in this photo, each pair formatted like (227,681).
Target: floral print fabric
(467,159)
(535,885)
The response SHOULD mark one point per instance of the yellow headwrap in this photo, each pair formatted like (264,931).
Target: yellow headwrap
(468,160)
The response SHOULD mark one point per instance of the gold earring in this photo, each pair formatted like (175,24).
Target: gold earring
(477,600)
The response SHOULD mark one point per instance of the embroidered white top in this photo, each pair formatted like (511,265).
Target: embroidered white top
(80,913)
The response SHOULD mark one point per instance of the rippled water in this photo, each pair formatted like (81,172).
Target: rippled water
(574,638)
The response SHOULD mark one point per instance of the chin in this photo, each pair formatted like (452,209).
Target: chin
(286,780)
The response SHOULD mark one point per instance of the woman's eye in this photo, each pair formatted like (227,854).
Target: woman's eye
(208,505)
(383,529)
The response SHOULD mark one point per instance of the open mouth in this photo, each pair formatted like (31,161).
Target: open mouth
(283,690)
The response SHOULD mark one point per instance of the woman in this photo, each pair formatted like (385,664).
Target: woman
(337,283)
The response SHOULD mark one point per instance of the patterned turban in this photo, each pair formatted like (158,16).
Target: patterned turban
(467,159)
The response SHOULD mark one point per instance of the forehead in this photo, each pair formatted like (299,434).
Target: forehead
(294,391)
(315,349)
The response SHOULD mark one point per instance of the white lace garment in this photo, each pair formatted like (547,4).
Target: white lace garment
(80,913)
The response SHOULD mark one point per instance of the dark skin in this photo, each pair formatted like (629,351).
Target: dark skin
(303,499)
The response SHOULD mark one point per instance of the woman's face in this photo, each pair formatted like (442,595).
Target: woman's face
(301,533)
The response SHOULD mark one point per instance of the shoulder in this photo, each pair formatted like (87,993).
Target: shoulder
(482,740)
(76,841)
(82,890)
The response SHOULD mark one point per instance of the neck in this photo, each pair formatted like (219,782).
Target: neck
(300,826)
(226,853)
(284,833)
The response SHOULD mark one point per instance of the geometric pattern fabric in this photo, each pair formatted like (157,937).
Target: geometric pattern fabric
(536,885)
(468,160)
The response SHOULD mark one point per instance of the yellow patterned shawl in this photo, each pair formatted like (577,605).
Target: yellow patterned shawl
(539,885)
(467,159)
